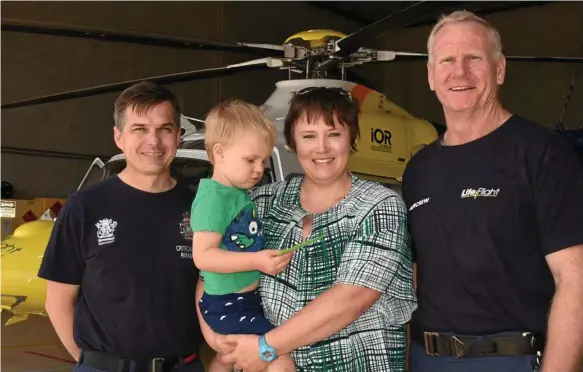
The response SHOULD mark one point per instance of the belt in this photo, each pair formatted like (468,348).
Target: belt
(452,345)
(108,363)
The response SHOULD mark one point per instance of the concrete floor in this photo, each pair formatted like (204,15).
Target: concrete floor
(33,346)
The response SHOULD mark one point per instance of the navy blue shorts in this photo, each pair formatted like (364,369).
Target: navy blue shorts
(235,313)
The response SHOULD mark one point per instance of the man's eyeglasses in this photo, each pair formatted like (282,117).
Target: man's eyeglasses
(340,91)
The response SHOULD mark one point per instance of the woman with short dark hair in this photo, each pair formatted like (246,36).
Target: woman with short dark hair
(344,300)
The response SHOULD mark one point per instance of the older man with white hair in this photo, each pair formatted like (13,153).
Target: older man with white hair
(496,219)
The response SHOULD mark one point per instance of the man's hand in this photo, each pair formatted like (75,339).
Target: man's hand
(244,352)
(60,305)
(270,262)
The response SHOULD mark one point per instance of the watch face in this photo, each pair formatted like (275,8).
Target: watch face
(267,354)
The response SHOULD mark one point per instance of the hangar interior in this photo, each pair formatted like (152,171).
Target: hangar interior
(37,65)
(47,148)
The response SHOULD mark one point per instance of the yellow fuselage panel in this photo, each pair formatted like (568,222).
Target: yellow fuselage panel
(389,136)
(22,291)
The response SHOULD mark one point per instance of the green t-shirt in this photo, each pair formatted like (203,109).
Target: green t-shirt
(230,212)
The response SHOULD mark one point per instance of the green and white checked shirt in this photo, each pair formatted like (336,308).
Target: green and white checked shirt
(365,243)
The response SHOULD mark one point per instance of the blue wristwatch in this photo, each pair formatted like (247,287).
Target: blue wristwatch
(266,352)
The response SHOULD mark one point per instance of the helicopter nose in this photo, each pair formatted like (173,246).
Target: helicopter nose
(22,291)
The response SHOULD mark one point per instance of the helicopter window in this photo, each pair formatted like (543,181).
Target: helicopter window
(94,175)
(114,167)
(197,145)
(191,171)
(187,170)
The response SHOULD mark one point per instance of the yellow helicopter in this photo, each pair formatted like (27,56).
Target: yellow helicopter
(390,136)
(23,293)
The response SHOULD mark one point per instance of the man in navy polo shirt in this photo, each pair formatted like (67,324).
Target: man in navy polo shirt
(496,219)
(121,289)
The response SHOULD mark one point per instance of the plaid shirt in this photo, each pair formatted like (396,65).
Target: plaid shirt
(365,243)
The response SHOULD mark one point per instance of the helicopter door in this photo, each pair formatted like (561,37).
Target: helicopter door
(276,169)
(95,173)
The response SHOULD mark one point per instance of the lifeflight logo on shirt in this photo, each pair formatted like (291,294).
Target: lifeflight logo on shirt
(480,193)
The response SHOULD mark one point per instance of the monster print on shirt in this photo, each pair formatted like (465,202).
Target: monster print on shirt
(245,233)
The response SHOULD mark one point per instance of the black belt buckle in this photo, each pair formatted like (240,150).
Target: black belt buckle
(431,345)
(457,347)
(158,365)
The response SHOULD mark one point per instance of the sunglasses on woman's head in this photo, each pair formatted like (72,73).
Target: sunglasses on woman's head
(340,91)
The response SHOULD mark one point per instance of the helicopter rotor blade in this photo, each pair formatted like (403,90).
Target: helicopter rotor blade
(383,55)
(168,41)
(545,59)
(387,56)
(394,21)
(409,16)
(257,64)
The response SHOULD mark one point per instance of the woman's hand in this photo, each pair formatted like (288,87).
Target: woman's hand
(244,352)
